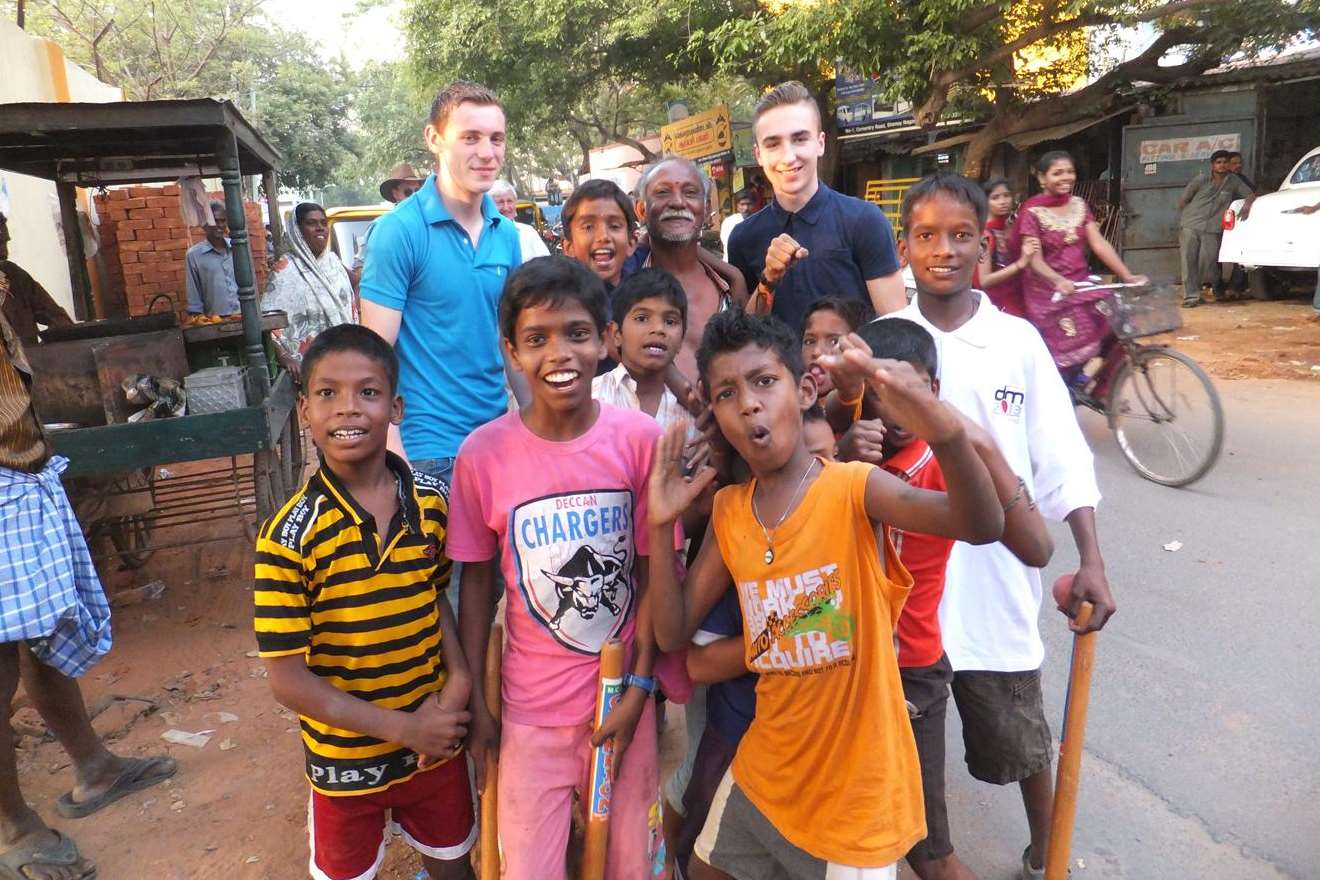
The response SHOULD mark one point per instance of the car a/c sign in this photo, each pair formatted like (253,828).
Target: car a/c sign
(1188,149)
(701,138)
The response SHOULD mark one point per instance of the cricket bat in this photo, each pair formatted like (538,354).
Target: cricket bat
(489,865)
(600,780)
(1070,750)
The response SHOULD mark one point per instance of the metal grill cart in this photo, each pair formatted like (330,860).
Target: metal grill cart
(116,468)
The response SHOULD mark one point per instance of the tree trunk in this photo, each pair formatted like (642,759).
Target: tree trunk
(21,16)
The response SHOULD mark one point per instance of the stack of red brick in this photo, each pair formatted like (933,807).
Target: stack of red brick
(144,239)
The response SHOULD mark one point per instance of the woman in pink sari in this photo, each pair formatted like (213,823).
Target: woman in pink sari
(1076,325)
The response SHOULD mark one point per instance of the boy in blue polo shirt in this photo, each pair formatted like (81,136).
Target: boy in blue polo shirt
(432,281)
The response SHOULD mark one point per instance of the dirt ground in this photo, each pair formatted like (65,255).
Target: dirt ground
(237,807)
(1251,340)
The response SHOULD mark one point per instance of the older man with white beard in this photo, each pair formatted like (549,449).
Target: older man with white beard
(674,208)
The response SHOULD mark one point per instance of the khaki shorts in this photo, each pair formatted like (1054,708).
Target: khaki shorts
(740,841)
(1005,735)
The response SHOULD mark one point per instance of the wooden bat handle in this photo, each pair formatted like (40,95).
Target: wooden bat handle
(600,776)
(1070,749)
(489,864)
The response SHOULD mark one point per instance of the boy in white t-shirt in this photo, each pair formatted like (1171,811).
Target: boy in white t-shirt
(996,370)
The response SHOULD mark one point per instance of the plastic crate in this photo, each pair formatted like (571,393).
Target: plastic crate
(215,389)
(1146,311)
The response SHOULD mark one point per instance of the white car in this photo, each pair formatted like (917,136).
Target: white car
(1273,236)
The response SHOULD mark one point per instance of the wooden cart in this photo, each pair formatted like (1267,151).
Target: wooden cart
(96,145)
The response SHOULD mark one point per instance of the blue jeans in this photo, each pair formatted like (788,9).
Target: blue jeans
(443,469)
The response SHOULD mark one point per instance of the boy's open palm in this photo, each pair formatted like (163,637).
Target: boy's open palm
(906,397)
(670,493)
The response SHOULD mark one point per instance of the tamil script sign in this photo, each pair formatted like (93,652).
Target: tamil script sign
(701,138)
(1188,149)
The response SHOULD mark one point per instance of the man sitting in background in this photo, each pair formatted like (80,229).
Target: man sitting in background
(212,289)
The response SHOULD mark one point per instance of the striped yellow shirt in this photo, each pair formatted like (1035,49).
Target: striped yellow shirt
(366,618)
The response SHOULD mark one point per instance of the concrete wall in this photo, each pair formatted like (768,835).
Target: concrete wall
(32,69)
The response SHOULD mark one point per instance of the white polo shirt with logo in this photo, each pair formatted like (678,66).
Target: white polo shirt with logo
(996,369)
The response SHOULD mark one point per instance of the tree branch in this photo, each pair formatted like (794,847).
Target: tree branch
(942,81)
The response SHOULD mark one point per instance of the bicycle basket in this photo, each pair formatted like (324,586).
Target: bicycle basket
(1145,311)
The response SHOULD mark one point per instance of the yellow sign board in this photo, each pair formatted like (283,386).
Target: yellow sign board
(702,137)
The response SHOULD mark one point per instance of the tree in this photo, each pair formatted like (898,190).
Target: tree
(214,48)
(587,70)
(965,56)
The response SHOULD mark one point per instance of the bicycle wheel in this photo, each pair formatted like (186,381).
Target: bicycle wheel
(1166,415)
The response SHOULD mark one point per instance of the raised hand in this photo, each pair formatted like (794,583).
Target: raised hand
(670,492)
(783,252)
(864,441)
(907,397)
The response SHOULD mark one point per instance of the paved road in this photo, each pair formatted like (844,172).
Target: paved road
(1201,755)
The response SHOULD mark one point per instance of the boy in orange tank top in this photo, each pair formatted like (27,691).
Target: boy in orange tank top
(825,782)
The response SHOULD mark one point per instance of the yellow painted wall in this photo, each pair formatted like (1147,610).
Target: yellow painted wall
(35,70)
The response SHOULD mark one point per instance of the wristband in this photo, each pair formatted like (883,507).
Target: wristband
(650,685)
(762,281)
(855,401)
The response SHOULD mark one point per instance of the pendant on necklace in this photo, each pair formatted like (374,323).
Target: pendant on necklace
(769,556)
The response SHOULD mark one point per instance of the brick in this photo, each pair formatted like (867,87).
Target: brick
(170,189)
(138,223)
(133,204)
(134,271)
(147,289)
(117,214)
(143,192)
(136,245)
(162,202)
(127,235)
(145,213)
(128,258)
(153,235)
(149,256)
(117,195)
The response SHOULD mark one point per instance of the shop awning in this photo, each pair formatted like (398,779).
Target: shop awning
(1023,139)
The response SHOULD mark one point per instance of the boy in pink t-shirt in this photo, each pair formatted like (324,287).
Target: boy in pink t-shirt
(552,494)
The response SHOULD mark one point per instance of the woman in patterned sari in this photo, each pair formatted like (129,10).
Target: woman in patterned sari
(1075,325)
(309,283)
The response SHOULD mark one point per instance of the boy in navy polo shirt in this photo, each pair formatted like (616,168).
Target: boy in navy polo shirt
(432,282)
(810,241)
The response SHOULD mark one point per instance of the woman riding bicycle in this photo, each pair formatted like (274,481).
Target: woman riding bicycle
(1075,326)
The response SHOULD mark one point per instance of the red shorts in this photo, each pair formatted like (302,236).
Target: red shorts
(433,812)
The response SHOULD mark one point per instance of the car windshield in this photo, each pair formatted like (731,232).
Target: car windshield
(348,238)
(1308,171)
(527,214)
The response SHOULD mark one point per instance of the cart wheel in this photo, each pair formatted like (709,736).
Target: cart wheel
(131,536)
(291,454)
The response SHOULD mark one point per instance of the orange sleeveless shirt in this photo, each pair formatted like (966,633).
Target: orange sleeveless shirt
(829,758)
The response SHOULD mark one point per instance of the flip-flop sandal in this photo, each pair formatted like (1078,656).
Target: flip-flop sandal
(138,773)
(61,852)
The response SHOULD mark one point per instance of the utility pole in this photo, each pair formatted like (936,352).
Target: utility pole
(21,17)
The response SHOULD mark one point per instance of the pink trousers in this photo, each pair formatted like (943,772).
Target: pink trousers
(540,768)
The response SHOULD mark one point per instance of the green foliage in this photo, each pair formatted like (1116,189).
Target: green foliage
(389,110)
(214,48)
(958,54)
(571,73)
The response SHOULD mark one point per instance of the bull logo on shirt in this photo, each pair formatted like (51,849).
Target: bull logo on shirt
(586,582)
(573,557)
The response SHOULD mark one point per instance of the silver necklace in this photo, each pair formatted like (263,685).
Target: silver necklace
(769,555)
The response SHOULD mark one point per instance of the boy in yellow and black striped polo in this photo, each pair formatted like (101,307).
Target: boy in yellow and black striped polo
(355,633)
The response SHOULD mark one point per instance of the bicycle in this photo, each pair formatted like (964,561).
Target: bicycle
(1162,407)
